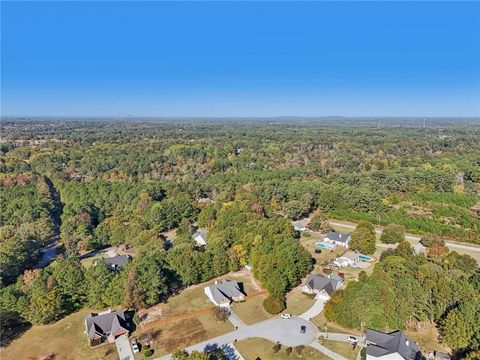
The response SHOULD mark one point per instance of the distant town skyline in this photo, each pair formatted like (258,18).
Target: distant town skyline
(240,59)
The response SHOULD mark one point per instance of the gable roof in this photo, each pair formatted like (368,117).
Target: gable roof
(381,344)
(336,236)
(225,290)
(319,282)
(117,261)
(202,234)
(99,325)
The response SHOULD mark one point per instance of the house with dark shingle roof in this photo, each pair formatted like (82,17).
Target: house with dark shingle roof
(337,238)
(322,286)
(391,346)
(106,326)
(225,292)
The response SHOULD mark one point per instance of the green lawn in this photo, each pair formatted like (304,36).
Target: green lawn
(254,348)
(342,348)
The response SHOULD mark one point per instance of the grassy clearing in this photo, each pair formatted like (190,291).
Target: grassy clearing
(342,348)
(254,348)
(324,325)
(252,310)
(187,332)
(298,302)
(427,338)
(65,339)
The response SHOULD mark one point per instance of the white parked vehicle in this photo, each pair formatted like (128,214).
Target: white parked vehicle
(352,339)
(135,346)
(286,316)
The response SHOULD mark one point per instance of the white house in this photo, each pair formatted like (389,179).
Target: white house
(390,346)
(337,238)
(225,292)
(348,259)
(298,226)
(200,237)
(322,286)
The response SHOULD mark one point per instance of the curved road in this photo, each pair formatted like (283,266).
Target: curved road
(285,331)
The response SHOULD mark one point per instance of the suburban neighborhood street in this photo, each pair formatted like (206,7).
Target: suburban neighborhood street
(285,331)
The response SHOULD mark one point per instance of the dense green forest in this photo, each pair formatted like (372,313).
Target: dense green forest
(95,183)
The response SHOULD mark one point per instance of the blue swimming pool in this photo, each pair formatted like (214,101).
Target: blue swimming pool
(324,245)
(364,258)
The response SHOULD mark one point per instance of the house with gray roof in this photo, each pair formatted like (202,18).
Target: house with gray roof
(322,286)
(225,292)
(339,239)
(391,346)
(200,237)
(106,326)
(116,262)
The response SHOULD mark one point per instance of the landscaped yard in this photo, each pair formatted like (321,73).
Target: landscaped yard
(342,348)
(254,348)
(427,338)
(64,338)
(298,302)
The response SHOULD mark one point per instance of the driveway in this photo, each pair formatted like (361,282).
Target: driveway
(235,320)
(340,336)
(316,309)
(124,349)
(284,331)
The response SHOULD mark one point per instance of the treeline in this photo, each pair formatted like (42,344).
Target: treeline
(27,213)
(404,289)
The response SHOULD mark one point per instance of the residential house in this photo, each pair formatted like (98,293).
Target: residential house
(116,262)
(391,346)
(200,237)
(350,258)
(419,249)
(322,286)
(298,226)
(225,292)
(106,326)
(337,238)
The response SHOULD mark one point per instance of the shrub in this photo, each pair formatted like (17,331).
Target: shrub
(220,314)
(392,234)
(148,352)
(277,347)
(288,350)
(273,306)
(299,349)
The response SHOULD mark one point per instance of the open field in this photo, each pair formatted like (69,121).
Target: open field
(254,348)
(327,326)
(342,348)
(65,339)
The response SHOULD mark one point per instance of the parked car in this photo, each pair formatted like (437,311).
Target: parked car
(135,347)
(303,329)
(286,316)
(352,339)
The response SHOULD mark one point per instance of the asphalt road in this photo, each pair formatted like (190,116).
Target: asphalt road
(284,331)
(414,238)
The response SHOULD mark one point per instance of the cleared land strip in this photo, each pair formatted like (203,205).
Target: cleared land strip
(188,315)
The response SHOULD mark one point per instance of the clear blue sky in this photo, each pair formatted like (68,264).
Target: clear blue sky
(240,59)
